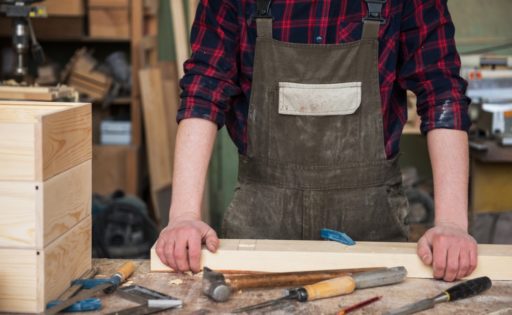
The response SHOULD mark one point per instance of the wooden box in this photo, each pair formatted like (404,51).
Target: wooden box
(45,193)
(109,22)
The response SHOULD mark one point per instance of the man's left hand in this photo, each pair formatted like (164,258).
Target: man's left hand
(450,250)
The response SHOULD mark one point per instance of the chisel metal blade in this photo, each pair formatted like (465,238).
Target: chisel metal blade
(413,308)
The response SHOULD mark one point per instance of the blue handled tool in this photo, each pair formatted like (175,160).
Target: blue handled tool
(336,236)
(91,304)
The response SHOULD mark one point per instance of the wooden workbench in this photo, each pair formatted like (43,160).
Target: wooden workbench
(499,297)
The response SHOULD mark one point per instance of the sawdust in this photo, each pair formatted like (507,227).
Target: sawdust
(176,282)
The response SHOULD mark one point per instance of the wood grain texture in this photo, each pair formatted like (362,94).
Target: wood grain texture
(66,201)
(284,256)
(29,278)
(181,43)
(156,127)
(17,151)
(65,141)
(109,3)
(109,23)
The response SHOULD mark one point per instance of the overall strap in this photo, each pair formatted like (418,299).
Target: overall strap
(263,18)
(373,20)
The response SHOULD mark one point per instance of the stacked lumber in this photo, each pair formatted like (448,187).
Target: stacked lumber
(36,93)
(45,193)
(82,74)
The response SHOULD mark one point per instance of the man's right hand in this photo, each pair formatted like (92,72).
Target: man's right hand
(179,244)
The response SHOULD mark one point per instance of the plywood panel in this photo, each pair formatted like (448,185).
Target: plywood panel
(66,200)
(29,278)
(281,256)
(180,27)
(65,141)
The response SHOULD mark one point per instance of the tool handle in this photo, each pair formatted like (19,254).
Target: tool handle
(469,288)
(329,288)
(125,271)
(289,279)
(90,304)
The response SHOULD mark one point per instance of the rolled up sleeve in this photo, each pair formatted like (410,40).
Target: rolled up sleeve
(211,74)
(429,65)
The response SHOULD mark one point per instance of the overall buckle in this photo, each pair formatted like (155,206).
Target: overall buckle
(263,9)
(375,11)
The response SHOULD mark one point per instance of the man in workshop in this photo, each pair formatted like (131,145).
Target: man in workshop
(313,94)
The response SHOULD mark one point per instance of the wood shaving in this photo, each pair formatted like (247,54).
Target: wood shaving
(127,283)
(175,282)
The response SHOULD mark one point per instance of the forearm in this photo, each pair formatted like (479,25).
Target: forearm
(194,143)
(449,156)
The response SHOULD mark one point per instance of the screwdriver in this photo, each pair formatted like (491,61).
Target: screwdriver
(460,291)
(336,286)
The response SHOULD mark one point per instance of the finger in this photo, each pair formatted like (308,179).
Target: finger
(452,263)
(439,252)
(211,241)
(194,253)
(180,255)
(424,250)
(169,255)
(160,251)
(473,259)
(464,261)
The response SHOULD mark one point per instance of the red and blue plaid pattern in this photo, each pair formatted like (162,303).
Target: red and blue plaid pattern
(417,52)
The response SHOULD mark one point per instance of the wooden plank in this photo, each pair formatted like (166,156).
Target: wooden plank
(181,43)
(491,185)
(65,141)
(494,261)
(17,151)
(31,277)
(192,8)
(66,201)
(26,93)
(18,215)
(66,259)
(155,125)
(157,134)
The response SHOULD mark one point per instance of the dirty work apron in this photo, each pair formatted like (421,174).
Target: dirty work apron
(316,156)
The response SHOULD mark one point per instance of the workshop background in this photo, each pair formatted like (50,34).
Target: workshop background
(125,57)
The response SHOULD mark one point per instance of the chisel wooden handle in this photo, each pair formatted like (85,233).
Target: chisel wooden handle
(289,279)
(125,271)
(329,288)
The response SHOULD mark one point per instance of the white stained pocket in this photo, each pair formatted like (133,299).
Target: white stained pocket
(319,99)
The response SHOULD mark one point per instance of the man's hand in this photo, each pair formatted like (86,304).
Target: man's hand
(179,244)
(450,250)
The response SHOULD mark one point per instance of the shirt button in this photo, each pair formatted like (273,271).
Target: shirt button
(319,39)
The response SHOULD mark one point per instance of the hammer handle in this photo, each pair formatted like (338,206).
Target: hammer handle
(290,279)
(329,288)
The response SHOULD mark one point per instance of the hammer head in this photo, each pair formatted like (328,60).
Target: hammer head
(215,286)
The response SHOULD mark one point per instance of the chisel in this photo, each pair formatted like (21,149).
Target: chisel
(337,286)
(457,292)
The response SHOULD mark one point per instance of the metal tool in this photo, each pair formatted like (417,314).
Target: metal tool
(23,35)
(93,286)
(152,301)
(460,291)
(91,304)
(336,236)
(219,287)
(358,305)
(335,287)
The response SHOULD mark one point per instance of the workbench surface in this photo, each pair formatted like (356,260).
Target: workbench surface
(188,288)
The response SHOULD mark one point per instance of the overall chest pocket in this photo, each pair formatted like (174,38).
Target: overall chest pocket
(319,99)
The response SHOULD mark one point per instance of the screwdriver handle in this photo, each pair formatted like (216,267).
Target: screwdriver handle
(469,288)
(329,288)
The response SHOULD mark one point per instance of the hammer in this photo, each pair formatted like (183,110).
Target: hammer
(219,288)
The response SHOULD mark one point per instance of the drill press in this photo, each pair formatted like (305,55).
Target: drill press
(23,37)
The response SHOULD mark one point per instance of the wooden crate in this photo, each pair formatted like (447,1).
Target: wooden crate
(107,22)
(45,193)
(29,278)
